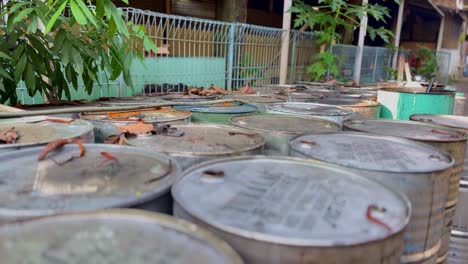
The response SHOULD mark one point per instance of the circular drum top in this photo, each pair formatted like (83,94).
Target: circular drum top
(255,98)
(372,152)
(188,98)
(218,109)
(459,122)
(201,139)
(309,109)
(284,124)
(407,129)
(106,176)
(162,114)
(346,102)
(289,201)
(111,237)
(133,101)
(36,130)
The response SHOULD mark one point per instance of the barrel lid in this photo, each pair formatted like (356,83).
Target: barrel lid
(218,109)
(160,114)
(309,109)
(188,97)
(289,201)
(407,129)
(288,124)
(453,121)
(201,139)
(419,90)
(63,182)
(346,102)
(255,98)
(36,130)
(112,236)
(372,152)
(133,101)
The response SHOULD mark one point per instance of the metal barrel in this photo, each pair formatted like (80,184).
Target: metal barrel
(287,210)
(118,236)
(188,98)
(195,143)
(218,114)
(257,100)
(107,176)
(106,123)
(446,139)
(131,101)
(364,109)
(40,130)
(333,113)
(418,170)
(458,248)
(279,129)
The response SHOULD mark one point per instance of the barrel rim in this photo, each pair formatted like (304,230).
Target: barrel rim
(345,111)
(150,195)
(415,116)
(377,136)
(404,90)
(176,224)
(276,239)
(207,154)
(89,131)
(179,96)
(204,109)
(359,103)
(349,125)
(88,116)
(307,118)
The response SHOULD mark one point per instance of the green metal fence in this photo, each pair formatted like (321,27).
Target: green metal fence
(201,52)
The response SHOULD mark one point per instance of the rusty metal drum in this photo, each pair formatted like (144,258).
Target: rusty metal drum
(195,143)
(287,210)
(420,171)
(363,109)
(279,129)
(333,113)
(458,252)
(257,100)
(132,101)
(40,130)
(106,176)
(115,236)
(105,123)
(447,139)
(188,98)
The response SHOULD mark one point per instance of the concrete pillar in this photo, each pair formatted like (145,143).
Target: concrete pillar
(285,42)
(362,37)
(399,25)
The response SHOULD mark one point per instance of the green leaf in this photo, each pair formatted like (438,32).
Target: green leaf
(77,13)
(12,9)
(55,16)
(5,56)
(30,79)
(32,28)
(86,11)
(5,74)
(20,66)
(22,15)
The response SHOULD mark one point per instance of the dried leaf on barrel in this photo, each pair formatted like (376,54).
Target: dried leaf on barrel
(217,90)
(138,128)
(115,139)
(8,136)
(112,115)
(246,90)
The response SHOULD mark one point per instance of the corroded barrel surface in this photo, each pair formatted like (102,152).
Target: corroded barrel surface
(333,113)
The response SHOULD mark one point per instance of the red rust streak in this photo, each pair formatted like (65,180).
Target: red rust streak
(369,216)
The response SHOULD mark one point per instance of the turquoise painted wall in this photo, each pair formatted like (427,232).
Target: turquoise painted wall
(196,71)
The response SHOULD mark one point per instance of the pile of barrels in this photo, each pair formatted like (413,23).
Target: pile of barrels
(310,176)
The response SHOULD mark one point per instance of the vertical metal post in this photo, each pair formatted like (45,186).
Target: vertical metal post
(362,36)
(292,76)
(328,68)
(375,64)
(232,31)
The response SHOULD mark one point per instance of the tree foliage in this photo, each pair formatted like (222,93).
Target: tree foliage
(429,66)
(54,45)
(330,16)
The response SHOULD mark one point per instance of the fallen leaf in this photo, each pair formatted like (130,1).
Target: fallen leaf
(8,136)
(138,128)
